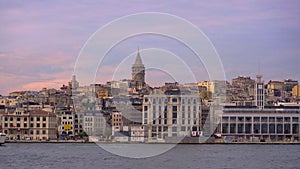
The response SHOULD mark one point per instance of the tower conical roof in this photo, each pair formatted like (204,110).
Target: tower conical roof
(138,59)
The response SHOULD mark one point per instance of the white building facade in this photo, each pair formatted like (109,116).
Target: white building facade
(172,114)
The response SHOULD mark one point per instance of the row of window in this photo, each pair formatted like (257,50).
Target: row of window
(174,121)
(174,115)
(260,128)
(260,119)
(174,128)
(173,100)
(174,108)
(25,125)
(70,117)
(25,118)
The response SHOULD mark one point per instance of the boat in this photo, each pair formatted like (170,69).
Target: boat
(2,138)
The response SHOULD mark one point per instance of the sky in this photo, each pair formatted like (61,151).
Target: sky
(40,41)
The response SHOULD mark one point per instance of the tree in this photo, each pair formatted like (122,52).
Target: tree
(82,134)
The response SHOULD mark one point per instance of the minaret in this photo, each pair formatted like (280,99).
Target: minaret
(138,71)
(259,92)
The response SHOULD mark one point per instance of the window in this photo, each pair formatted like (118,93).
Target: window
(145,108)
(240,119)
(37,132)
(44,118)
(44,131)
(287,128)
(174,100)
(44,124)
(25,124)
(271,128)
(182,108)
(25,118)
(232,128)
(38,119)
(264,128)
(18,119)
(264,119)
(287,119)
(279,119)
(18,125)
(225,128)
(37,124)
(256,128)
(174,108)
(240,128)
(295,119)
(232,119)
(248,128)
(271,119)
(279,128)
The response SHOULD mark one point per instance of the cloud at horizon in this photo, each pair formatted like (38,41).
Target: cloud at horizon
(40,41)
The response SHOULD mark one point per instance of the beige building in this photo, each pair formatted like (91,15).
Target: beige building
(215,86)
(66,123)
(117,119)
(21,124)
(296,91)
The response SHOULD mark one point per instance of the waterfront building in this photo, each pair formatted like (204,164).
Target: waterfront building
(277,123)
(22,124)
(66,124)
(171,114)
(94,124)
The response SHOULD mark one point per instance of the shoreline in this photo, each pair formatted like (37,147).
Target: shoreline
(89,142)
